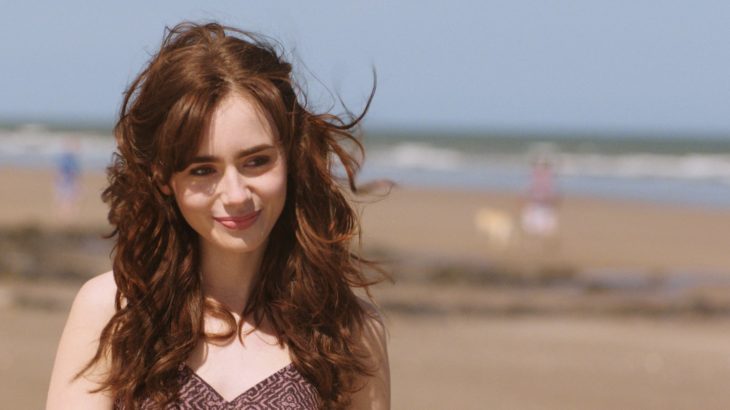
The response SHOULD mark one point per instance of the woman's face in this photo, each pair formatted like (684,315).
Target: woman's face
(233,191)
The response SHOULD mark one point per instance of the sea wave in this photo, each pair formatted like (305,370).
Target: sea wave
(40,147)
(419,156)
(710,167)
(700,167)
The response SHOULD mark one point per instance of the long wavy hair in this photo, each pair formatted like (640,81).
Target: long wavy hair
(304,286)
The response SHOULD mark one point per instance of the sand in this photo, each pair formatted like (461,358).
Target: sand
(459,345)
(465,361)
(595,234)
(558,363)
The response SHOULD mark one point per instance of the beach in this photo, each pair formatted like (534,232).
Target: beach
(626,307)
(595,233)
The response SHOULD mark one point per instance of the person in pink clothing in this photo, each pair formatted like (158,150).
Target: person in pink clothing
(539,214)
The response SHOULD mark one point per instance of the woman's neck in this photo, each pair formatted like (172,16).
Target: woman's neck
(228,276)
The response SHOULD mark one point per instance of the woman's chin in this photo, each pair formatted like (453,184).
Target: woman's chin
(229,243)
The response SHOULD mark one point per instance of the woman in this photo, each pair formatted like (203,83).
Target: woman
(232,272)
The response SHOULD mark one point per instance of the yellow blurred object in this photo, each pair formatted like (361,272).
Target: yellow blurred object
(496,225)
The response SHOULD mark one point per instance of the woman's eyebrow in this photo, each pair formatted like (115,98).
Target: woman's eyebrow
(242,153)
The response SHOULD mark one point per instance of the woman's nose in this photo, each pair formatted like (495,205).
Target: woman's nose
(233,188)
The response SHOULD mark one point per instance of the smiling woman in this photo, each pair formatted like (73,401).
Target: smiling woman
(233,275)
(234,189)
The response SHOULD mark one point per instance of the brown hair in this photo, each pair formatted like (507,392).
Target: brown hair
(304,286)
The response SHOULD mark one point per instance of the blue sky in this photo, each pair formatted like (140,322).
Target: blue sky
(659,66)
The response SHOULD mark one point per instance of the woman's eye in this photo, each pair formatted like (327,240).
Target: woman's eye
(258,161)
(201,171)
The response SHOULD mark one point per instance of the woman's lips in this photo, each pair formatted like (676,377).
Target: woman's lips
(238,222)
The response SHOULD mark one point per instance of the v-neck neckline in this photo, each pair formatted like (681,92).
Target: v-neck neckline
(245,392)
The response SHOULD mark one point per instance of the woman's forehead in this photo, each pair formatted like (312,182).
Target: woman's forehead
(237,123)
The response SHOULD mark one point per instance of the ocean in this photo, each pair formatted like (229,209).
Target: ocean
(681,170)
(674,170)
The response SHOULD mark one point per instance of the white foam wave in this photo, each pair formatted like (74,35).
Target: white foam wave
(711,167)
(418,155)
(689,167)
(35,145)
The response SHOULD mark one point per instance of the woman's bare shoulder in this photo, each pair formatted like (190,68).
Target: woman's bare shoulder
(375,393)
(91,310)
(374,321)
(94,302)
(98,293)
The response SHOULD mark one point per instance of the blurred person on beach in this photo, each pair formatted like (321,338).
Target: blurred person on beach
(233,276)
(539,218)
(68,185)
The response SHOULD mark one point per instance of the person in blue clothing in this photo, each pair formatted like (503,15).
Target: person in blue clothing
(68,177)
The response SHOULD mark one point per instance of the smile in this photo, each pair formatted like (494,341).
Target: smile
(238,223)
